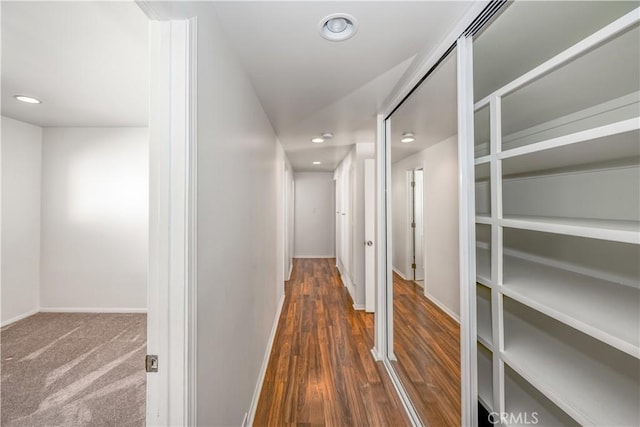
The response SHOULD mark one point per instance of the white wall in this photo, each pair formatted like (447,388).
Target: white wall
(95,185)
(314,215)
(240,238)
(440,163)
(21,160)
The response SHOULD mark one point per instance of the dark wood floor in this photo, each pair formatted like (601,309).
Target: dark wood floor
(427,346)
(321,371)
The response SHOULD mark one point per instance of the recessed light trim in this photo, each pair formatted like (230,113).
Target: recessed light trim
(27,99)
(408,137)
(338,27)
(326,135)
(317,163)
(317,140)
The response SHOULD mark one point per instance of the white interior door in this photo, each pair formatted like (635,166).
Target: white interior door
(418,206)
(369,234)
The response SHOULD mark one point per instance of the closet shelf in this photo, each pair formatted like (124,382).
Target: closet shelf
(483,266)
(601,391)
(522,397)
(613,230)
(605,310)
(589,135)
(483,302)
(485,376)
(485,343)
(605,145)
(483,219)
(482,160)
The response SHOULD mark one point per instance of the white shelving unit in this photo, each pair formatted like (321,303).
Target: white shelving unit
(559,326)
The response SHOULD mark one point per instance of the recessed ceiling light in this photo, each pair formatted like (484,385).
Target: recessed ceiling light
(317,140)
(408,137)
(317,163)
(338,27)
(327,135)
(27,99)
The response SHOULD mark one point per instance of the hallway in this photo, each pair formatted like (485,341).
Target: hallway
(321,371)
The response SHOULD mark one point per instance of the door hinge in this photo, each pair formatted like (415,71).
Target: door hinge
(413,183)
(151,363)
(413,266)
(413,225)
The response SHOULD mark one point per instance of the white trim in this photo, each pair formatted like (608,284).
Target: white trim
(91,310)
(290,271)
(380,244)
(314,257)
(346,281)
(399,273)
(172,292)
(191,350)
(467,216)
(265,364)
(442,307)
(358,306)
(19,317)
(412,414)
(609,32)
(388,282)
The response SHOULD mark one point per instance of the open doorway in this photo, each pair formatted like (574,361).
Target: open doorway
(75,213)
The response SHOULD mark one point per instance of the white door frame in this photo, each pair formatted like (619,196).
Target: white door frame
(171,318)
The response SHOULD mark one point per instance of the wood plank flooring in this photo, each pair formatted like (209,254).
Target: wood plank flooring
(321,371)
(427,346)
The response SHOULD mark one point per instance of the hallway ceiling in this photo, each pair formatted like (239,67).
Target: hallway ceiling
(86,61)
(308,85)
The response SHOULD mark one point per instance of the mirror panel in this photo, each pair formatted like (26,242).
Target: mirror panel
(424,236)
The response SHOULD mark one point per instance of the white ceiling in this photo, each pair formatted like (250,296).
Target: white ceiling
(86,61)
(308,85)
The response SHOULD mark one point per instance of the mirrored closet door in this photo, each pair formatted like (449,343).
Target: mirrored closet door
(424,237)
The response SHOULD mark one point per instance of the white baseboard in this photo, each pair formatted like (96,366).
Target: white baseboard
(91,310)
(376,355)
(443,307)
(315,256)
(358,306)
(19,317)
(265,364)
(399,273)
(290,271)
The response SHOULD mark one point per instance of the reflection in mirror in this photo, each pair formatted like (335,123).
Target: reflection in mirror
(424,235)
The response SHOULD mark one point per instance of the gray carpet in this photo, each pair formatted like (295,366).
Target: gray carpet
(74,369)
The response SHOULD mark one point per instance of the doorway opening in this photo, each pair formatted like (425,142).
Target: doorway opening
(416,225)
